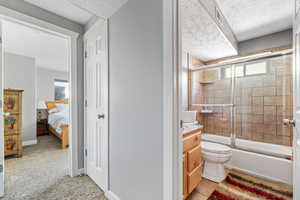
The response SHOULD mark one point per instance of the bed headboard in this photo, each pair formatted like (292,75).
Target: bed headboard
(52,104)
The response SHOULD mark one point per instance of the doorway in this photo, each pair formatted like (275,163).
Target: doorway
(222,95)
(71,146)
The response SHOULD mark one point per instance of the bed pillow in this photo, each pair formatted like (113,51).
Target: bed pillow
(53,110)
(62,107)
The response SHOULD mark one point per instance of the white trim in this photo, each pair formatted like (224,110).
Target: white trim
(111,196)
(172,147)
(29,142)
(2,162)
(17,17)
(98,22)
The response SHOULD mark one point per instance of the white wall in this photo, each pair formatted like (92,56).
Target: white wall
(20,73)
(136,101)
(45,83)
(185,81)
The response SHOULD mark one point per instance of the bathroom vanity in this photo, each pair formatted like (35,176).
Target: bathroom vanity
(192,160)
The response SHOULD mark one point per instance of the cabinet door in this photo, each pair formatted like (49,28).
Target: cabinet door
(11,144)
(12,124)
(194,179)
(11,102)
(194,158)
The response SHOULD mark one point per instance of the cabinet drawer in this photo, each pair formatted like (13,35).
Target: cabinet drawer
(12,124)
(12,102)
(194,158)
(11,144)
(194,178)
(191,142)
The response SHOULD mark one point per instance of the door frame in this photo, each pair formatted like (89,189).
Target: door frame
(296,31)
(98,22)
(172,137)
(72,38)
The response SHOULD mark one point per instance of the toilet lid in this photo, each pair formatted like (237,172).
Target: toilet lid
(215,148)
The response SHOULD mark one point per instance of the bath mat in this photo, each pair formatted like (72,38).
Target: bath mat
(238,186)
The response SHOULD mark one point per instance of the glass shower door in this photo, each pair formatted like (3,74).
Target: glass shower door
(211,94)
(263,98)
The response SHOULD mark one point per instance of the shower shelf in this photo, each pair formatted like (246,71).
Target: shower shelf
(208,82)
(214,105)
(206,111)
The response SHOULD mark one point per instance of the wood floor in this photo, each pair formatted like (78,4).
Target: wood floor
(204,190)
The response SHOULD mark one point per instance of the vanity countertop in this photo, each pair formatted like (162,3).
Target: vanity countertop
(191,130)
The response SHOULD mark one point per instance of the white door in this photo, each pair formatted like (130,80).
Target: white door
(296,141)
(96,76)
(1,119)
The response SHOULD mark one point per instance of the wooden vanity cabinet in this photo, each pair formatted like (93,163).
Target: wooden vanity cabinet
(192,161)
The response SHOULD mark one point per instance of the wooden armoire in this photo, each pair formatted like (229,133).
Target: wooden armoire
(12,108)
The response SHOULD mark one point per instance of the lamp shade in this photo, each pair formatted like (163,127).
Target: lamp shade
(41,105)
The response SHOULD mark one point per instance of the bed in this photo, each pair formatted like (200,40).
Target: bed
(58,120)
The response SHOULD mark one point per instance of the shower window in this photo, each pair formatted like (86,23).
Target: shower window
(250,69)
(256,68)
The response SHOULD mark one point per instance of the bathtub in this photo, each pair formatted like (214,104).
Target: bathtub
(275,167)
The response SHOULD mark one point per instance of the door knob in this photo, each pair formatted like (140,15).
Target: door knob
(287,122)
(101,116)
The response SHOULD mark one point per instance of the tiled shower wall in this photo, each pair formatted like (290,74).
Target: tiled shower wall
(261,102)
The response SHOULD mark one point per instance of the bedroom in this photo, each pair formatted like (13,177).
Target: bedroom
(36,106)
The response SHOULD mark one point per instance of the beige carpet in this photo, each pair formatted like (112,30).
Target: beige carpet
(41,174)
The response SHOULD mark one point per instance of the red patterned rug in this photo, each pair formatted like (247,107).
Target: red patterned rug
(238,186)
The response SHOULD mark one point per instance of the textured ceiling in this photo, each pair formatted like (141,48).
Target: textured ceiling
(254,18)
(49,51)
(80,11)
(201,37)
(100,8)
(64,8)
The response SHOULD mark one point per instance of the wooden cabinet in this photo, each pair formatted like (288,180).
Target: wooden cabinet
(192,161)
(13,122)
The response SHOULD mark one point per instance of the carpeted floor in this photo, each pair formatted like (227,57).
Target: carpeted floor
(239,186)
(41,174)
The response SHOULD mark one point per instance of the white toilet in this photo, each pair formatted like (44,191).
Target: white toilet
(215,156)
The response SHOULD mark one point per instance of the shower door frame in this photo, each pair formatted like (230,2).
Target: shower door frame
(232,65)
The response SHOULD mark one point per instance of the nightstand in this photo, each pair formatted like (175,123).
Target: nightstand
(42,127)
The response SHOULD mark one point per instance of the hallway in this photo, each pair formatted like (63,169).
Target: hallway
(42,174)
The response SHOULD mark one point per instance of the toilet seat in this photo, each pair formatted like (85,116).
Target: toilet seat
(215,148)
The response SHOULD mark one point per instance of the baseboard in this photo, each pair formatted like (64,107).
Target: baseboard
(80,172)
(29,142)
(111,196)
